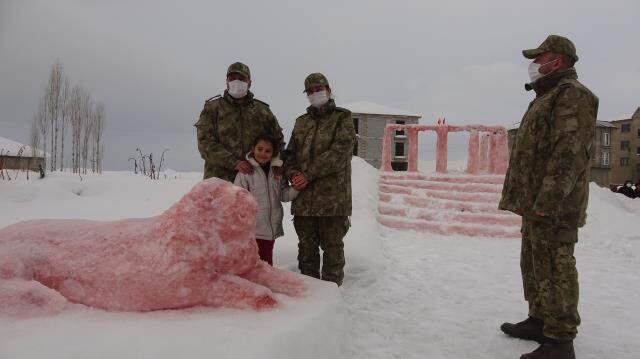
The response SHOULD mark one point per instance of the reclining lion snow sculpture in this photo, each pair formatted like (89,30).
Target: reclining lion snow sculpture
(199,252)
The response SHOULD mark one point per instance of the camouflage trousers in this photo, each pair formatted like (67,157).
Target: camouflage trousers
(550,277)
(326,233)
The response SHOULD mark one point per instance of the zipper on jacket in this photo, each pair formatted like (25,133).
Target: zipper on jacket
(312,155)
(269,198)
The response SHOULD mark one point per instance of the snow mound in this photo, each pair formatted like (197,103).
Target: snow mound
(201,251)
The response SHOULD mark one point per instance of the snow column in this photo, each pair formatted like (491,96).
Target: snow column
(412,134)
(441,148)
(499,152)
(472,154)
(483,165)
(386,149)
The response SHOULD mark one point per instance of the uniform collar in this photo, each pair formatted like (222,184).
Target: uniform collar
(546,83)
(322,110)
(238,102)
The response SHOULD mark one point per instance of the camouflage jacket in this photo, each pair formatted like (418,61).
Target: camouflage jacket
(320,147)
(549,167)
(226,129)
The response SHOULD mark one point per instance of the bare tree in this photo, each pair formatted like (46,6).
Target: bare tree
(162,159)
(87,128)
(63,106)
(135,164)
(52,95)
(98,128)
(75,118)
(65,114)
(34,135)
(40,118)
(143,160)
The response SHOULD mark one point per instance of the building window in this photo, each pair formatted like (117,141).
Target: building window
(606,139)
(624,161)
(638,151)
(400,132)
(399,149)
(356,124)
(625,128)
(639,132)
(606,156)
(625,145)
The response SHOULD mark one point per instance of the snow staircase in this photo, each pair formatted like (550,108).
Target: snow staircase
(448,204)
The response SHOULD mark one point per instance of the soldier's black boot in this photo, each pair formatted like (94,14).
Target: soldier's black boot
(552,349)
(528,329)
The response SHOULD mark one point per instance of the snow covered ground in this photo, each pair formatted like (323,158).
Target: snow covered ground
(406,295)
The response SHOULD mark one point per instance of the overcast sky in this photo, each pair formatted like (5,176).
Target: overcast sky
(154,63)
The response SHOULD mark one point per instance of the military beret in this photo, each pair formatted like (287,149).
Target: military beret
(315,79)
(553,43)
(239,68)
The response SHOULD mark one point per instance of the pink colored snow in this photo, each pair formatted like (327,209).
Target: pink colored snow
(487,151)
(199,252)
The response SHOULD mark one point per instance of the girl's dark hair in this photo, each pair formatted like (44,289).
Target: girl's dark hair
(267,138)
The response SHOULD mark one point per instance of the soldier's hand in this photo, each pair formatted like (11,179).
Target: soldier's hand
(244,167)
(299,181)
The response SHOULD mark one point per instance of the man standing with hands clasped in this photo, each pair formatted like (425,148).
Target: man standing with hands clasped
(319,166)
(547,183)
(230,123)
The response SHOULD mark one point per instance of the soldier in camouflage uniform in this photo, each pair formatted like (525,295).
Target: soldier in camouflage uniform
(319,165)
(547,183)
(229,123)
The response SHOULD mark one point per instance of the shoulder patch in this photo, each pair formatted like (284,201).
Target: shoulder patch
(262,102)
(213,98)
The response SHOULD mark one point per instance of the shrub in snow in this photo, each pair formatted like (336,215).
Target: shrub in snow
(199,252)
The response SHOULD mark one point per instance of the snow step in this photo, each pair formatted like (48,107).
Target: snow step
(450,216)
(451,178)
(435,203)
(445,228)
(454,204)
(445,186)
(449,195)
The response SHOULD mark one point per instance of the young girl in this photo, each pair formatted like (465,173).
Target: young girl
(269,187)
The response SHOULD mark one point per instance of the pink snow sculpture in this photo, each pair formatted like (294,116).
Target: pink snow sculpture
(442,141)
(499,153)
(473,155)
(199,252)
(484,153)
(488,152)
(465,204)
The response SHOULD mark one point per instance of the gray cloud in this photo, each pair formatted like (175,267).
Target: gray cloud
(154,63)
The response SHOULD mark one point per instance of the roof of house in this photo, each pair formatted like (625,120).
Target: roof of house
(11,148)
(605,124)
(376,109)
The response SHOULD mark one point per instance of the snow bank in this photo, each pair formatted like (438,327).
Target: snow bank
(407,295)
(200,251)
(310,328)
(313,327)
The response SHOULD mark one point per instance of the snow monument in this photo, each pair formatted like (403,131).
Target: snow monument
(448,203)
(199,252)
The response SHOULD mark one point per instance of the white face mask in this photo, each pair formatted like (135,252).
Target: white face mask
(534,71)
(318,98)
(237,88)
